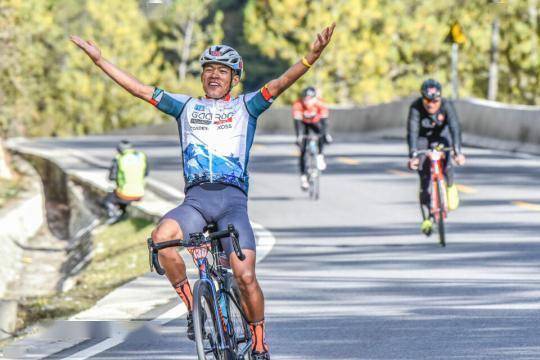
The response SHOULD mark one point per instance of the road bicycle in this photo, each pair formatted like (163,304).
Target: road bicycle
(221,327)
(439,205)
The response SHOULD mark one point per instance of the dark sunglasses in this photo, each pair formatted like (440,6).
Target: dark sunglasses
(436,100)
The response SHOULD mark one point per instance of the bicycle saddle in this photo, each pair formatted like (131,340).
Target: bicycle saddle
(210,227)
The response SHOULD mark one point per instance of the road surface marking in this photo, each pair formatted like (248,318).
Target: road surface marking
(466,189)
(348,161)
(399,173)
(169,315)
(527,205)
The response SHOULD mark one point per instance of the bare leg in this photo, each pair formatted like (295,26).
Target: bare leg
(252,296)
(172,262)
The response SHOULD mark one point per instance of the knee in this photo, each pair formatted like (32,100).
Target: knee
(246,279)
(166,232)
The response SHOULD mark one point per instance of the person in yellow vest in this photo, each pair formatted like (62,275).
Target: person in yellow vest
(128,170)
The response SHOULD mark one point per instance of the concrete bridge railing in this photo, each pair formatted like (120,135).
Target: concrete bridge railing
(518,124)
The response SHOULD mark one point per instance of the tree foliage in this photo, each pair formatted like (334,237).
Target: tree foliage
(382,49)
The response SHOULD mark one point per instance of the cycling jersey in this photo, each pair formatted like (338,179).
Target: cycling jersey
(309,114)
(444,124)
(215,135)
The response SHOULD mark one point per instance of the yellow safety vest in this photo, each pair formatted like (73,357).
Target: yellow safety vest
(131,170)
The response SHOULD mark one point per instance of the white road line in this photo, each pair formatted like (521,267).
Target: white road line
(265,241)
(170,315)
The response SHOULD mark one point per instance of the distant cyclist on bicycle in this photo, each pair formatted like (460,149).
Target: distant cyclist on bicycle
(433,120)
(310,114)
(216,133)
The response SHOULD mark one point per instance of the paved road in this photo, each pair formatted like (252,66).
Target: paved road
(350,276)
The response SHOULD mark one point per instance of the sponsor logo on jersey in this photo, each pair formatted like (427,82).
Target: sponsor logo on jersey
(224,126)
(224,121)
(200,121)
(224,116)
(200,117)
(199,127)
(427,123)
(199,107)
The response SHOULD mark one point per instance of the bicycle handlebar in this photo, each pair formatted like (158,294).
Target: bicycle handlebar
(426,151)
(195,240)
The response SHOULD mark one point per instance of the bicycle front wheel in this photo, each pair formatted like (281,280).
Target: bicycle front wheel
(314,175)
(205,323)
(442,206)
(239,332)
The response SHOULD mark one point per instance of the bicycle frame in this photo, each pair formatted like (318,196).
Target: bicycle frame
(199,246)
(436,158)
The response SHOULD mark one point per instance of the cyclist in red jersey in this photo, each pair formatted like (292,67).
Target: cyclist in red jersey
(310,114)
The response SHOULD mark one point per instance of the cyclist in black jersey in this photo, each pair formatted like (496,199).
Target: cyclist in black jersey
(433,119)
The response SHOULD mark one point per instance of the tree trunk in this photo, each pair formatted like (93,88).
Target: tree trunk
(188,35)
(494,61)
(455,79)
(533,16)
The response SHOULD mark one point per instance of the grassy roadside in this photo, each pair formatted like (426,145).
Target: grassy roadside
(120,256)
(9,189)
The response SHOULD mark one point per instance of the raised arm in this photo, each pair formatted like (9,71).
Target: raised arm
(125,80)
(279,85)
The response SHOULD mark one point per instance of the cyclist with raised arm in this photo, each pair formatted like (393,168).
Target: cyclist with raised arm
(310,115)
(216,133)
(433,120)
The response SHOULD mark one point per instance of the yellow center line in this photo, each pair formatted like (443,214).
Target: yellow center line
(400,173)
(348,161)
(466,189)
(527,205)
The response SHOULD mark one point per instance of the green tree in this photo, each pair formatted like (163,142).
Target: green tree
(383,49)
(85,100)
(183,29)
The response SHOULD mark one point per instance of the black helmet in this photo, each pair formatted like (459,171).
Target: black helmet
(431,89)
(309,92)
(123,146)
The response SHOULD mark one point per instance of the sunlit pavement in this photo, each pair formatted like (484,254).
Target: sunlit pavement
(351,277)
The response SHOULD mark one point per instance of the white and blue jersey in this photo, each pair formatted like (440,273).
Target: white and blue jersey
(215,135)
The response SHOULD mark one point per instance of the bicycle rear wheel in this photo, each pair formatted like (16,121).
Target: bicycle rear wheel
(442,206)
(205,323)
